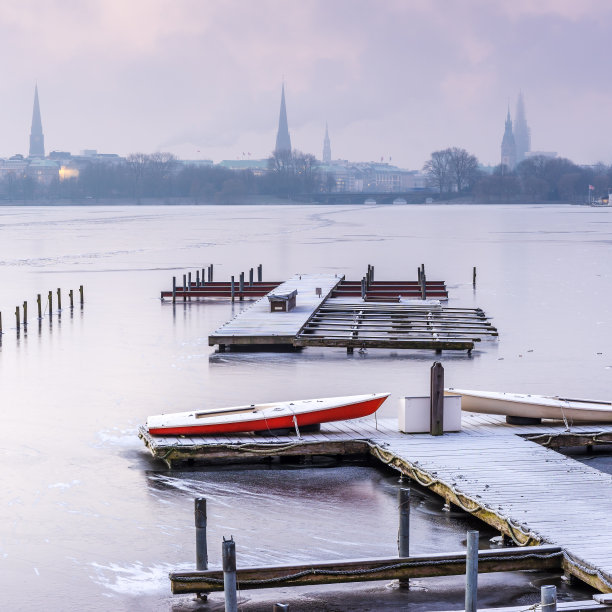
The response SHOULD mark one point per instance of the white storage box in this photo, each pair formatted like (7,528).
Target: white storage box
(414,414)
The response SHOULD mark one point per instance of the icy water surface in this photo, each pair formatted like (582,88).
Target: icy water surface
(89,522)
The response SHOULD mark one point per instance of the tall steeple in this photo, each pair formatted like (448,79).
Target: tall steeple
(37,139)
(326,147)
(508,146)
(283,141)
(522,133)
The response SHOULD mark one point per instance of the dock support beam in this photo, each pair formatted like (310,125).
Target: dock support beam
(471,572)
(436,411)
(229,575)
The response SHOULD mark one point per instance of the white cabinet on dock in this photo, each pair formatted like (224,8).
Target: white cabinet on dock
(413,414)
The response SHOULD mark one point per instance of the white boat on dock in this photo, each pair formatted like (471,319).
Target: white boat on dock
(522,405)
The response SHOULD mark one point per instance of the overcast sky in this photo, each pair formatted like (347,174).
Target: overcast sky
(393,78)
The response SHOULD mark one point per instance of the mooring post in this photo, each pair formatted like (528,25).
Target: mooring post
(259,273)
(372,274)
(189,284)
(17,318)
(184,287)
(82,293)
(198,279)
(50,298)
(229,574)
(210,273)
(233,289)
(251,277)
(71,296)
(241,288)
(471,572)
(423,286)
(39,304)
(436,410)
(548,598)
(203,277)
(419,275)
(403,534)
(474,277)
(1,326)
(25,314)
(59,298)
(363,288)
(279,607)
(174,289)
(200,527)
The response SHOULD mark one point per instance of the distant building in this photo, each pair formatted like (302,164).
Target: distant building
(43,171)
(283,140)
(326,147)
(37,139)
(258,167)
(508,146)
(522,133)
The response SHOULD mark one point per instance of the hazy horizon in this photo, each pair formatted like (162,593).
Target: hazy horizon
(392,79)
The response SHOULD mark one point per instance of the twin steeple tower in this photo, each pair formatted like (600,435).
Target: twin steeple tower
(37,139)
(516,142)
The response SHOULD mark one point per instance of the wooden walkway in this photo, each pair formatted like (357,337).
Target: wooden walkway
(490,469)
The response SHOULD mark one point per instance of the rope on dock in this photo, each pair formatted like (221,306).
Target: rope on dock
(587,570)
(361,572)
(519,537)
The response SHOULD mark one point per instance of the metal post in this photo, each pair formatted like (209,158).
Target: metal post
(39,303)
(174,289)
(251,277)
(363,288)
(200,527)
(82,295)
(259,273)
(17,318)
(233,289)
(25,314)
(203,277)
(403,536)
(71,296)
(436,410)
(50,297)
(210,273)
(372,273)
(549,598)
(189,283)
(241,287)
(474,277)
(471,572)
(184,285)
(229,575)
(198,279)
(59,298)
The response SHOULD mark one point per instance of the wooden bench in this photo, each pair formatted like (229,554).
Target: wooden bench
(282,301)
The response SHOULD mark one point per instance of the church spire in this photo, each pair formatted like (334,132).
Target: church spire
(522,134)
(508,146)
(37,139)
(326,147)
(283,141)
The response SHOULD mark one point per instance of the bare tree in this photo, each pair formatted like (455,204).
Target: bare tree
(463,167)
(438,170)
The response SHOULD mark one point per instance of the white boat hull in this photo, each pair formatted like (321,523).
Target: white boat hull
(534,406)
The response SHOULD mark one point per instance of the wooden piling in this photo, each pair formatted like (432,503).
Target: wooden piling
(200,527)
(251,277)
(17,318)
(233,289)
(403,534)
(174,289)
(50,300)
(184,287)
(260,273)
(25,314)
(71,296)
(210,273)
(1,324)
(39,304)
(59,298)
(474,277)
(82,294)
(548,598)
(436,411)
(229,575)
(189,284)
(363,288)
(241,287)
(471,572)
(198,279)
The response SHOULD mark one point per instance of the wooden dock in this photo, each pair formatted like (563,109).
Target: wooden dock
(490,469)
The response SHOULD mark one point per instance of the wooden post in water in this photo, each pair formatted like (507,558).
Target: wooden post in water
(259,273)
(189,284)
(251,277)
(200,526)
(203,277)
(82,295)
(210,273)
(233,289)
(17,318)
(471,572)
(59,298)
(1,327)
(363,288)
(174,289)
(241,288)
(436,410)
(39,304)
(548,598)
(25,314)
(184,287)
(372,273)
(198,279)
(403,534)
(71,296)
(50,298)
(474,277)
(229,575)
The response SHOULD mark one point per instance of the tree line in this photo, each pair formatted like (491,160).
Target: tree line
(455,172)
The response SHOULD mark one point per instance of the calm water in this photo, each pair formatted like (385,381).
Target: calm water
(89,522)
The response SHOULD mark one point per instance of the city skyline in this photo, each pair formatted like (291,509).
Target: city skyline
(121,79)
